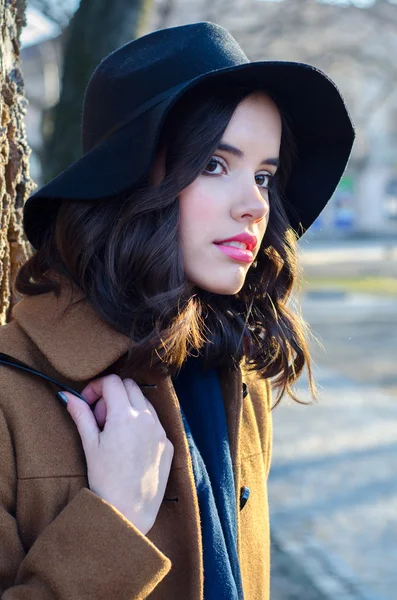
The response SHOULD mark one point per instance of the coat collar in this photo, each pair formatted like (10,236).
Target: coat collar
(70,333)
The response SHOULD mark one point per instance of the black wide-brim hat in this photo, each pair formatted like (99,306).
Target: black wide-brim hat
(132,90)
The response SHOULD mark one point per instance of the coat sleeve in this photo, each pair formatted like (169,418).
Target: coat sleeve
(90,550)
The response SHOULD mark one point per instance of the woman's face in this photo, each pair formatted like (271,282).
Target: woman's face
(231,196)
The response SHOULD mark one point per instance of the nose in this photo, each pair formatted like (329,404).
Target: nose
(253,203)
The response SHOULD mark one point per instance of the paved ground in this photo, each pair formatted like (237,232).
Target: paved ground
(289,580)
(358,336)
(359,333)
(333,482)
(333,489)
(349,258)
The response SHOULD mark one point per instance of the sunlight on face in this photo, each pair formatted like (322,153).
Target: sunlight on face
(231,196)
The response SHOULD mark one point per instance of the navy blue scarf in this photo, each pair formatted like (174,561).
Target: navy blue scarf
(204,418)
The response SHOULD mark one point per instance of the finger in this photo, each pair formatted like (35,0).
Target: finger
(92,391)
(84,420)
(135,396)
(100,412)
(139,401)
(111,389)
(153,411)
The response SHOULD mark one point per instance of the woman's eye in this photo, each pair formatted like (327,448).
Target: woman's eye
(266,180)
(214,162)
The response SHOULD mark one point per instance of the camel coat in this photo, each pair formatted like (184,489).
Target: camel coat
(59,540)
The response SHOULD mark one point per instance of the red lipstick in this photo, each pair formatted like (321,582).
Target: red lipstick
(237,253)
(245,237)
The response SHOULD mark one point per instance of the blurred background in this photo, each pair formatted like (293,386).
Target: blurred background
(333,482)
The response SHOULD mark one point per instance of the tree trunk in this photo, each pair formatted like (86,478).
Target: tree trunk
(97,28)
(15,182)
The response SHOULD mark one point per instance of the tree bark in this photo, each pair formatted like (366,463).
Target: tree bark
(15,182)
(97,28)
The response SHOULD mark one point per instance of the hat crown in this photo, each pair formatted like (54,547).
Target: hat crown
(150,65)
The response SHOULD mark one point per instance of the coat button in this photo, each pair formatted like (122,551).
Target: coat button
(244,494)
(245,390)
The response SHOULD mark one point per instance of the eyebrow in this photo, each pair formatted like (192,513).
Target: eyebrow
(240,153)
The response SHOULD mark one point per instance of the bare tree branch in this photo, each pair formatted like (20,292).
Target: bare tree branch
(54,11)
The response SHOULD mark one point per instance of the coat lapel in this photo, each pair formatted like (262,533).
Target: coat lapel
(67,330)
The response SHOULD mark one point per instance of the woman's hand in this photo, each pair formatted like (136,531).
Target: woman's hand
(130,460)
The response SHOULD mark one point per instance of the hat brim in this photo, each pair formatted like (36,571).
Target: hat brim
(316,112)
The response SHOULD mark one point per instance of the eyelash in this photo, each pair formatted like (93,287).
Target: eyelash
(220,162)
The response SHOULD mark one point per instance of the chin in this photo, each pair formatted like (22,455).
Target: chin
(223,289)
(223,281)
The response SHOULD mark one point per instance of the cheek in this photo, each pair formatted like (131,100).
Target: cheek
(198,213)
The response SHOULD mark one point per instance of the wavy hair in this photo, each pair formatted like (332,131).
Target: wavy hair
(124,254)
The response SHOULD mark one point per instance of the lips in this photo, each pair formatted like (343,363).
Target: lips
(244,237)
(239,254)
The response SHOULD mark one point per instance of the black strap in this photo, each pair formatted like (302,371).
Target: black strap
(11,361)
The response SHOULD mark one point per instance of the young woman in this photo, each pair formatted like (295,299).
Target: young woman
(156,301)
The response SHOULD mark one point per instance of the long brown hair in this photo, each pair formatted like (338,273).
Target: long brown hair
(124,254)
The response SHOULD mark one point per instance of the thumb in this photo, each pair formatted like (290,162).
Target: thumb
(84,419)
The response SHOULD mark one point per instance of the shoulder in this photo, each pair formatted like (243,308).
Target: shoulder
(17,386)
(15,342)
(38,424)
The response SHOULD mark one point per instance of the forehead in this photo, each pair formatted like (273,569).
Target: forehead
(256,117)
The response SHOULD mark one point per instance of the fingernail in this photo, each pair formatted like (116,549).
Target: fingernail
(61,396)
